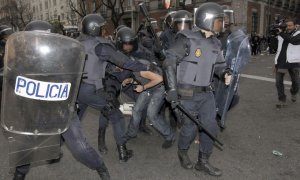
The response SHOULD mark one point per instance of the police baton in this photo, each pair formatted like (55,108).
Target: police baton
(157,42)
(200,126)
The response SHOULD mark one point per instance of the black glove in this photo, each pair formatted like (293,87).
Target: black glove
(159,53)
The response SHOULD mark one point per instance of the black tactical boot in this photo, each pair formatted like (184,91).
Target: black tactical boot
(203,165)
(124,154)
(101,141)
(19,176)
(103,172)
(184,159)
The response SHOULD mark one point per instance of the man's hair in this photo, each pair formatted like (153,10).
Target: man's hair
(291,20)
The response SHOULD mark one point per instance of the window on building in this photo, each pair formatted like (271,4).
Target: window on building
(54,2)
(41,7)
(103,11)
(254,25)
(46,4)
(41,17)
(62,16)
(129,2)
(33,9)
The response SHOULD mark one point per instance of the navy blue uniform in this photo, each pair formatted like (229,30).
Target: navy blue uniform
(91,93)
(197,58)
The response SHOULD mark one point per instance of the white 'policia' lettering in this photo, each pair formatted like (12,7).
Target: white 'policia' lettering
(41,90)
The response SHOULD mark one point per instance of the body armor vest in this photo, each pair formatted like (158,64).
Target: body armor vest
(94,67)
(197,67)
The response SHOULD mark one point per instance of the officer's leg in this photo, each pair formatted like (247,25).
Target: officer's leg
(207,116)
(86,97)
(81,109)
(112,91)
(187,135)
(280,87)
(80,148)
(157,120)
(118,123)
(21,172)
(103,123)
(294,73)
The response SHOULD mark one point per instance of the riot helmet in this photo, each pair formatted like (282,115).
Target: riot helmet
(92,24)
(126,36)
(117,29)
(181,19)
(153,23)
(228,15)
(39,26)
(206,16)
(168,19)
(5,31)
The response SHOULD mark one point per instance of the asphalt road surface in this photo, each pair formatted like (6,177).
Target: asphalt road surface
(254,129)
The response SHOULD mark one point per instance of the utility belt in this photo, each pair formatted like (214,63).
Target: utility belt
(188,91)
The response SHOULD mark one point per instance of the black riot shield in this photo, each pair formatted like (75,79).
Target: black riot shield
(237,56)
(41,77)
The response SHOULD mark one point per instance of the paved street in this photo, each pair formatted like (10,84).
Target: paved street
(254,129)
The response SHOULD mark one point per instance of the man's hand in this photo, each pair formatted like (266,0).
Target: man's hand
(139,88)
(127,81)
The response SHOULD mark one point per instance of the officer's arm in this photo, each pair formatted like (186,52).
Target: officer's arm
(173,56)
(154,78)
(220,67)
(108,53)
(295,40)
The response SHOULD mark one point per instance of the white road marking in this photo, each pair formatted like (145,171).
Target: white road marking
(263,78)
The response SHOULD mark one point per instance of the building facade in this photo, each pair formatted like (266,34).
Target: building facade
(251,15)
(53,10)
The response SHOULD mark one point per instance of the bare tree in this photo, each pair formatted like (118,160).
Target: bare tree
(18,13)
(82,8)
(116,11)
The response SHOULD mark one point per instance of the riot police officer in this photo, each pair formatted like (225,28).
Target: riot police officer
(150,89)
(195,53)
(91,92)
(114,76)
(73,136)
(228,23)
(180,20)
(168,34)
(223,36)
